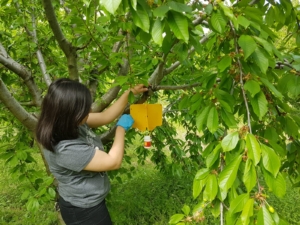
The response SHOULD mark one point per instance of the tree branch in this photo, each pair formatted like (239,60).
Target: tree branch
(39,54)
(170,87)
(158,74)
(241,78)
(100,104)
(16,109)
(22,72)
(176,64)
(203,40)
(279,64)
(108,97)
(65,46)
(253,2)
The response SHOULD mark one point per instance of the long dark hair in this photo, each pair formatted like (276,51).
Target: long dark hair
(64,107)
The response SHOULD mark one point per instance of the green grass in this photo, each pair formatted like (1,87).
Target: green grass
(148,198)
(288,207)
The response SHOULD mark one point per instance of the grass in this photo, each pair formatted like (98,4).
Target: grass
(147,198)
(288,207)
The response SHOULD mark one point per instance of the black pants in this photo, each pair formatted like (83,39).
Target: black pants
(72,215)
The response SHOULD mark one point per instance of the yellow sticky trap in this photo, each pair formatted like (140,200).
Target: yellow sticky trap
(146,116)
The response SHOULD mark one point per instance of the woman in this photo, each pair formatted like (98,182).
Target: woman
(75,155)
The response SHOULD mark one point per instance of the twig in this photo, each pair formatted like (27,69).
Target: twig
(241,77)
(170,87)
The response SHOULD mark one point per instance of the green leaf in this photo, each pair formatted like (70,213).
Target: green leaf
(271,88)
(215,211)
(252,86)
(202,173)
(249,177)
(227,11)
(176,218)
(32,204)
(222,194)
(198,186)
(184,102)
(208,149)
(211,188)
(286,82)
(228,175)
(202,118)
(209,8)
(238,203)
(141,18)
(277,148)
(261,60)
(111,6)
(264,217)
(133,4)
(51,192)
(291,127)
(157,32)
(270,17)
(212,120)
(211,42)
(254,151)
(226,100)
(232,218)
(254,13)
(213,156)
(224,63)
(296,65)
(270,134)
(267,45)
(21,155)
(218,22)
(179,25)
(259,104)
(186,210)
(248,45)
(270,159)
(279,188)
(243,21)
(131,97)
(25,194)
(161,11)
(276,185)
(179,7)
(228,119)
(230,141)
(247,211)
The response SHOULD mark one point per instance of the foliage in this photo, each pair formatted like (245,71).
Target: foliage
(13,207)
(17,152)
(223,71)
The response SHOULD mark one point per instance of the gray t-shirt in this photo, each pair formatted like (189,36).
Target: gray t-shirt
(81,188)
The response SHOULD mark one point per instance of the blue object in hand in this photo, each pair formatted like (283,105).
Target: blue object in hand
(125,121)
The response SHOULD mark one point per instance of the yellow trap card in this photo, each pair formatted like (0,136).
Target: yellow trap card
(146,116)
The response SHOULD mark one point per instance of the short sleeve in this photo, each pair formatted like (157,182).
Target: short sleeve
(74,155)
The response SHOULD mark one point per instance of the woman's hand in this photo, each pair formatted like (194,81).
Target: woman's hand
(125,121)
(138,89)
